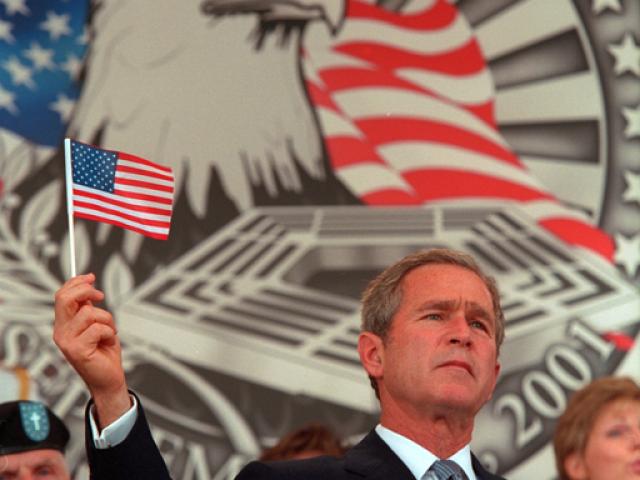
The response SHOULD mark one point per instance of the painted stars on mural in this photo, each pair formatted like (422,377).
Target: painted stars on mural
(632,193)
(627,55)
(628,253)
(632,117)
(41,52)
(625,65)
(628,248)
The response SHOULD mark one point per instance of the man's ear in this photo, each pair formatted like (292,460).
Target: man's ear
(575,467)
(371,350)
(495,380)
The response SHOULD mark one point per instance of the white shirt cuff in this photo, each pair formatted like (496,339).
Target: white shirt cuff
(116,432)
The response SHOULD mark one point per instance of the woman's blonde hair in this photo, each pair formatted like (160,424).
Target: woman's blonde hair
(575,424)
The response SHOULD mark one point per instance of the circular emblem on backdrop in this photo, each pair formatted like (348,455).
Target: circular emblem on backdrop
(35,421)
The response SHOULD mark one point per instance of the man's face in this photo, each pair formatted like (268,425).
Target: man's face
(34,465)
(441,351)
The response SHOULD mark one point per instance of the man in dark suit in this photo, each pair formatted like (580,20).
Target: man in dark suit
(432,327)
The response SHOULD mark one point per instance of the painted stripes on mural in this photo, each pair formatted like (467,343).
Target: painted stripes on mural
(406,105)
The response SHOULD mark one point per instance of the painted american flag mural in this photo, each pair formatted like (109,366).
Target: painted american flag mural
(406,102)
(314,142)
(42,47)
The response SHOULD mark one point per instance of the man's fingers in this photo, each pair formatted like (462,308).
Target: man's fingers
(86,345)
(78,279)
(69,297)
(87,316)
(78,349)
(98,333)
(80,292)
(68,335)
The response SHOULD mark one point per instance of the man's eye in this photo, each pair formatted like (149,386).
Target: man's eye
(478,324)
(433,316)
(44,472)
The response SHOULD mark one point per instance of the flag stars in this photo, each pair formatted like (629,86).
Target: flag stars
(5,31)
(15,6)
(627,56)
(56,25)
(42,58)
(63,106)
(7,101)
(84,38)
(20,74)
(42,39)
(93,169)
(72,66)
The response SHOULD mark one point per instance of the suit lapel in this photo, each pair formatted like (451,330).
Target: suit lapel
(373,459)
(481,473)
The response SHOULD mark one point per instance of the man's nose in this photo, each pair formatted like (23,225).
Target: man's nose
(460,331)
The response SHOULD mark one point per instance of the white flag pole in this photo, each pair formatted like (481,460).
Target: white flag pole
(69,182)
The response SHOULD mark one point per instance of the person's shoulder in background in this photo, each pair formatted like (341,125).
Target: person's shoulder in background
(308,441)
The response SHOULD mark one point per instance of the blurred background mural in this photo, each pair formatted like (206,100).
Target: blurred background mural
(314,142)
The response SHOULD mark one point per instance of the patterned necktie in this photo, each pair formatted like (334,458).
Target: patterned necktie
(445,470)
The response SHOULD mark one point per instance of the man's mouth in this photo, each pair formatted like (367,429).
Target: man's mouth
(458,364)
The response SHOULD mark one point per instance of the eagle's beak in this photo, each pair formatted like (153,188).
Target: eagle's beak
(334,13)
(331,11)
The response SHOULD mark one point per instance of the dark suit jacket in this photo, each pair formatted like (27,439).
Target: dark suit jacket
(370,459)
(138,458)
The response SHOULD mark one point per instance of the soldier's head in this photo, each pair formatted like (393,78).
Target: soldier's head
(32,442)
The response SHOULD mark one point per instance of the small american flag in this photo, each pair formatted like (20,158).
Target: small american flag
(122,189)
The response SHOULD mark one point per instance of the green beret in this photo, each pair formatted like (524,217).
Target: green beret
(30,426)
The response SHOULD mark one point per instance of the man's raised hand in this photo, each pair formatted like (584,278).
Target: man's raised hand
(87,337)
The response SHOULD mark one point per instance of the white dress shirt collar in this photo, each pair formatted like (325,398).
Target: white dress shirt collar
(418,459)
